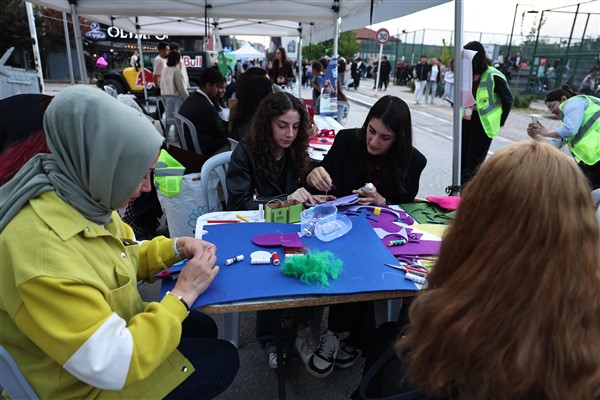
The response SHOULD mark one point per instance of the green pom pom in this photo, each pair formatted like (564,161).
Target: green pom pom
(314,267)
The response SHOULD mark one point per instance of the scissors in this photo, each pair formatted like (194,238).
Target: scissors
(413,269)
(172,272)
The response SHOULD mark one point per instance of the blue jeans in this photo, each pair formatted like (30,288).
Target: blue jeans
(216,361)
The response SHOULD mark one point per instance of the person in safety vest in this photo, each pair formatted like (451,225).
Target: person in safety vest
(481,122)
(580,129)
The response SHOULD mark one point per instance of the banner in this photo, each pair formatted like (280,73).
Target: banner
(328,105)
(221,59)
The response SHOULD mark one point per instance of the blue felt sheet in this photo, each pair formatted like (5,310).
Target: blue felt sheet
(360,249)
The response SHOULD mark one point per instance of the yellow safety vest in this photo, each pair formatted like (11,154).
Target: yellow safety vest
(585,144)
(490,111)
(168,174)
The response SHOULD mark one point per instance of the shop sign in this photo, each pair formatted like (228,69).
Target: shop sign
(195,62)
(118,33)
(95,33)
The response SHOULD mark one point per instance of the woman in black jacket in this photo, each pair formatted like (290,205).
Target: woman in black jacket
(380,153)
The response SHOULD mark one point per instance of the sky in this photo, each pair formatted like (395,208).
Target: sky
(491,21)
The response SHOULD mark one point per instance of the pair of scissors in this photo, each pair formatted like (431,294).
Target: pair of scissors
(413,269)
(172,272)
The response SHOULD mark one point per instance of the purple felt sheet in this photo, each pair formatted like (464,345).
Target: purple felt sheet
(278,239)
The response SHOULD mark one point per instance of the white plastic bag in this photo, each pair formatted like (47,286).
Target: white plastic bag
(183,210)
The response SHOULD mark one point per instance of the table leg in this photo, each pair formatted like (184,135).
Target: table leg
(280,362)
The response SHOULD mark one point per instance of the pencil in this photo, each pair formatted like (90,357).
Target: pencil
(221,221)
(242,218)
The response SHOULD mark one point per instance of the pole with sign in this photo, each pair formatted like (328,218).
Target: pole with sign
(382,37)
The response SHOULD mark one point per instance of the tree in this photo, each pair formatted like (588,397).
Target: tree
(15,27)
(347,47)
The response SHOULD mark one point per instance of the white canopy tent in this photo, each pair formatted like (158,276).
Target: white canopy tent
(247,51)
(258,17)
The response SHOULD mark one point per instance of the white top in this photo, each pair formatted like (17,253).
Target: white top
(133,60)
(172,82)
(159,64)
(435,70)
(449,76)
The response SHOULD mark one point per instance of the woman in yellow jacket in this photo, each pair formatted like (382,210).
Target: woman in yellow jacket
(70,311)
(580,129)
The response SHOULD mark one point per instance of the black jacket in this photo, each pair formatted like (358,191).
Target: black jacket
(341,164)
(246,190)
(210,128)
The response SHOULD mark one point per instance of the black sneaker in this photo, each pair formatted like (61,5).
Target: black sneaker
(322,361)
(346,356)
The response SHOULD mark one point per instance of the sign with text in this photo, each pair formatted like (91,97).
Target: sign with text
(382,36)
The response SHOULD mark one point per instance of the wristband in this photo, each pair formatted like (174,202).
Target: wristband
(180,299)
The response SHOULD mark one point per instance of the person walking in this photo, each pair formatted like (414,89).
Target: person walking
(422,70)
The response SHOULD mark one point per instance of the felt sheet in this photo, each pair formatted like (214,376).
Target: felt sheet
(361,251)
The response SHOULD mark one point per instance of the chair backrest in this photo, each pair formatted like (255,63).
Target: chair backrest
(232,143)
(111,90)
(12,379)
(218,163)
(183,126)
(167,105)
(343,109)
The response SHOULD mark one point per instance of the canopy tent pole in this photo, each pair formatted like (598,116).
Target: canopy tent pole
(78,42)
(36,47)
(68,47)
(143,71)
(456,110)
(300,69)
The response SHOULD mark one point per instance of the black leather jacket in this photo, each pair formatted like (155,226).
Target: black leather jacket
(245,190)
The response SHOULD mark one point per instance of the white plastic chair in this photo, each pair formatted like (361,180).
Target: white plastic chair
(218,163)
(12,379)
(182,124)
(166,106)
(232,143)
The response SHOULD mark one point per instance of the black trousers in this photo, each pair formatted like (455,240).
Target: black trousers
(356,318)
(474,148)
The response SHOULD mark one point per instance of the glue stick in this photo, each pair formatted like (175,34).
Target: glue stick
(260,261)
(415,278)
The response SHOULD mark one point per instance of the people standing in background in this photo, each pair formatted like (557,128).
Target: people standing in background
(160,62)
(355,70)
(449,82)
(281,72)
(432,81)
(580,129)
(385,69)
(134,61)
(422,70)
(588,84)
(174,46)
(318,82)
(341,70)
(482,122)
(172,82)
(500,60)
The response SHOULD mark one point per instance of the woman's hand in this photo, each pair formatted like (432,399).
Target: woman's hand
(321,198)
(319,179)
(367,196)
(188,247)
(197,275)
(536,130)
(302,196)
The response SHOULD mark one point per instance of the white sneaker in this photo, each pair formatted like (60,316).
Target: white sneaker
(305,344)
(321,363)
(273,359)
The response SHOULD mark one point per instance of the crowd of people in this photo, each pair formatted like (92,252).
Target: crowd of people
(86,155)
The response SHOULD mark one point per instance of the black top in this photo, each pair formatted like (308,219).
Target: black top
(341,162)
(21,116)
(210,128)
(246,190)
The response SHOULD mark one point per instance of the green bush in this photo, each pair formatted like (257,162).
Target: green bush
(522,100)
(411,85)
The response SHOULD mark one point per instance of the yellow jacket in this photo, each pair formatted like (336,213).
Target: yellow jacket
(70,311)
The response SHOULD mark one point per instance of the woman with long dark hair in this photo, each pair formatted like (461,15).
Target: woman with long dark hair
(282,72)
(380,153)
(250,92)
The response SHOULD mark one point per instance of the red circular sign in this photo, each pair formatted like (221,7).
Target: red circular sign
(382,36)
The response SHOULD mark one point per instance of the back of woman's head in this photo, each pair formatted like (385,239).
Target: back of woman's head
(261,133)
(480,61)
(173,58)
(558,93)
(250,93)
(513,310)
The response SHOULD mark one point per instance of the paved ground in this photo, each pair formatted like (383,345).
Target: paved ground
(255,379)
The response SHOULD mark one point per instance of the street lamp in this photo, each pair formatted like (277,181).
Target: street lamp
(513,24)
